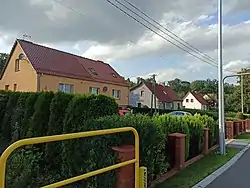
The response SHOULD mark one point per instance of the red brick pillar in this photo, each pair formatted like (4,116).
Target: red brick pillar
(247,124)
(244,126)
(230,129)
(236,128)
(179,149)
(206,141)
(240,126)
(125,176)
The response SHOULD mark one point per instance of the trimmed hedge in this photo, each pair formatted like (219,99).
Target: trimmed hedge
(6,129)
(46,113)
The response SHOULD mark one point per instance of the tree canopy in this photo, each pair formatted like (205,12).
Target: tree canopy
(3,59)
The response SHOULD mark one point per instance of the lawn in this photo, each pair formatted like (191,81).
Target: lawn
(199,170)
(244,136)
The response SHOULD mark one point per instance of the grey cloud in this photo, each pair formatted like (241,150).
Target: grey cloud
(100,21)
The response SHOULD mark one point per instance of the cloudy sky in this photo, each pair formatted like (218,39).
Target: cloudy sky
(96,29)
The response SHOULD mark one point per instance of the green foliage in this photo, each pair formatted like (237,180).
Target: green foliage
(3,102)
(3,59)
(239,115)
(196,131)
(23,168)
(6,122)
(58,108)
(18,115)
(40,118)
(29,106)
(173,124)
(83,107)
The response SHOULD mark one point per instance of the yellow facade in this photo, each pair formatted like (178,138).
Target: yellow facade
(51,83)
(27,79)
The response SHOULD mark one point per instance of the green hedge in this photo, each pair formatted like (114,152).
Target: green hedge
(6,129)
(46,113)
(39,114)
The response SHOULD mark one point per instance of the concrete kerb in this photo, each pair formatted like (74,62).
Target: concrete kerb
(209,179)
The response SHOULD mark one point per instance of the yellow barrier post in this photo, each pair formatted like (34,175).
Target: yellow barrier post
(143,177)
(46,139)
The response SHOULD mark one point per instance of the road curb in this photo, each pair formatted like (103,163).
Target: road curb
(209,179)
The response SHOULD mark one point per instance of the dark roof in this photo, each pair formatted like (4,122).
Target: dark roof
(55,62)
(199,98)
(163,93)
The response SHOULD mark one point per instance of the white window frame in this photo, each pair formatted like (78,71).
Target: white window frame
(116,94)
(66,88)
(94,90)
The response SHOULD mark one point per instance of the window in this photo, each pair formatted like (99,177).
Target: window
(94,90)
(7,87)
(17,68)
(186,100)
(142,93)
(93,71)
(116,94)
(67,88)
(192,100)
(15,86)
(139,105)
(165,92)
(178,106)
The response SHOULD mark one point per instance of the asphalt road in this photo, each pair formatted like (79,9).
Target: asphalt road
(237,176)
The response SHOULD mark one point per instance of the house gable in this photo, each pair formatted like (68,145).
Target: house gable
(190,102)
(24,79)
(141,94)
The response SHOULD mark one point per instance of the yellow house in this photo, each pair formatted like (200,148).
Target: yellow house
(32,67)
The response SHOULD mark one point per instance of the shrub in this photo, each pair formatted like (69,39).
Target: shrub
(18,116)
(23,168)
(40,118)
(196,131)
(6,122)
(172,124)
(239,115)
(83,107)
(94,153)
(58,108)
(29,106)
(3,102)
(213,127)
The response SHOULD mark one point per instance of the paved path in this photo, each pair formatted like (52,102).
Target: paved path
(237,176)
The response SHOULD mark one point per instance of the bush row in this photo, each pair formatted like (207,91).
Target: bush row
(37,114)
(211,113)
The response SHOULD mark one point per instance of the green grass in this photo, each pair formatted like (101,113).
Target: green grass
(244,136)
(199,170)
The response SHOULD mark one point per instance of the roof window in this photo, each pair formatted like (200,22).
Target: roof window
(114,75)
(93,71)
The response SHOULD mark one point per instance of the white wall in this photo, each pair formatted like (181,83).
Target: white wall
(191,105)
(135,97)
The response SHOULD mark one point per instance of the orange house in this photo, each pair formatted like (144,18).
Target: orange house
(32,67)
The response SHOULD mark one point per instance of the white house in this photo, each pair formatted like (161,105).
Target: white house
(194,100)
(166,98)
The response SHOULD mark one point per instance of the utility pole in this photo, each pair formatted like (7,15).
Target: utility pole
(242,94)
(154,83)
(220,81)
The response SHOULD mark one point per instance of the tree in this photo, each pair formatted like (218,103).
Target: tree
(130,83)
(3,59)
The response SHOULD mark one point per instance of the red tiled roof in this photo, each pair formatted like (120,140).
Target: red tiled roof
(55,62)
(163,93)
(199,98)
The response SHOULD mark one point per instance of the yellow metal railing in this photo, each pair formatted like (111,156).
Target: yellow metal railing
(46,139)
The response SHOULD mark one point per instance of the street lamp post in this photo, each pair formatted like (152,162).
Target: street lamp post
(220,80)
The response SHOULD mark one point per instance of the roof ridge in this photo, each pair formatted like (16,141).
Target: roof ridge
(61,51)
